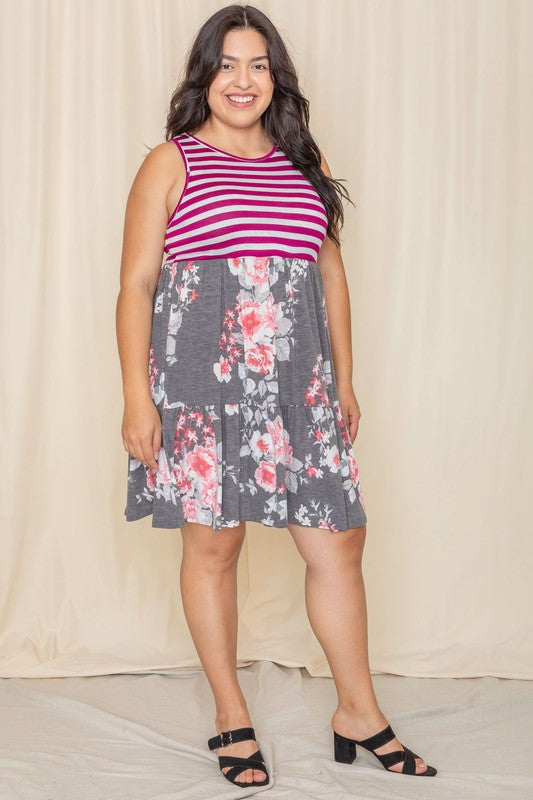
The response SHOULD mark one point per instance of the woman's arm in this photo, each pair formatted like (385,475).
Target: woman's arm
(339,322)
(144,231)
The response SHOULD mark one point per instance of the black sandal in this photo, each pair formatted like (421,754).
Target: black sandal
(238,763)
(345,752)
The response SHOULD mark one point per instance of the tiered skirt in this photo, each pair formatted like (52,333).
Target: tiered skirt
(241,373)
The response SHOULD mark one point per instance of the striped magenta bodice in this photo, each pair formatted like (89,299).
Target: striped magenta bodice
(233,206)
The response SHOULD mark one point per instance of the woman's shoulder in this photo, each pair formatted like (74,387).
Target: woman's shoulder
(164,150)
(163,159)
(161,169)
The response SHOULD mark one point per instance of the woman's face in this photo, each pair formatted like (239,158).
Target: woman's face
(244,71)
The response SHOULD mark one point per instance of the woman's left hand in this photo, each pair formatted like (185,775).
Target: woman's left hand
(350,410)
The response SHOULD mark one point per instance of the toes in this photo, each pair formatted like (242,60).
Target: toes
(421,765)
(259,775)
(243,777)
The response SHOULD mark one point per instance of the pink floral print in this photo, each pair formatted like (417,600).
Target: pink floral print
(240,370)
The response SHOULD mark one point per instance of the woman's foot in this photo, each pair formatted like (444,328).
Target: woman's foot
(243,749)
(354,726)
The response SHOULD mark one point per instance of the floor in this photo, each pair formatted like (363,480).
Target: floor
(142,736)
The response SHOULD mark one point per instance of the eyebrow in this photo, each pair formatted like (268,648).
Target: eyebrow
(233,58)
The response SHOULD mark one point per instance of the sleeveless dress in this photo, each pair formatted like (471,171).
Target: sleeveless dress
(240,365)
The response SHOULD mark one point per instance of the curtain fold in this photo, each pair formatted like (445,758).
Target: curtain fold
(424,108)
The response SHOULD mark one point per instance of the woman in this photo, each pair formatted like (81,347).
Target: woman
(234,410)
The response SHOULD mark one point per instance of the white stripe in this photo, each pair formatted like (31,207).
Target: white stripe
(228,195)
(224,163)
(258,248)
(213,180)
(227,237)
(262,222)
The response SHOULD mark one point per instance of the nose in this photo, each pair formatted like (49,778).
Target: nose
(242,78)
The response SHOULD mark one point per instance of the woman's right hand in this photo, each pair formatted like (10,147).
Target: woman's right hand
(141,431)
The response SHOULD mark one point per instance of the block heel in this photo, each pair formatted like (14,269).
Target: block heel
(345,751)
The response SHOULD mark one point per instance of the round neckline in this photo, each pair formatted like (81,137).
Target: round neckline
(240,158)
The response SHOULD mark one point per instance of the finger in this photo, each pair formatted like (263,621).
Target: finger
(148,453)
(346,421)
(347,414)
(156,442)
(353,423)
(135,451)
(130,449)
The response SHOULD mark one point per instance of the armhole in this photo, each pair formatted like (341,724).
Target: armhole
(186,163)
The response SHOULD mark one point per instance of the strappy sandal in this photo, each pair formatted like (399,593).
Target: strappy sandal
(345,752)
(238,763)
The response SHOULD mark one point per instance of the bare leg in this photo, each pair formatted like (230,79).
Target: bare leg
(336,606)
(208,582)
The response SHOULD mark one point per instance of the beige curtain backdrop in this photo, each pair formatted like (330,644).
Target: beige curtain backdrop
(424,107)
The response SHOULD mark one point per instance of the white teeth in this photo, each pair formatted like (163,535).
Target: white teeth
(241,99)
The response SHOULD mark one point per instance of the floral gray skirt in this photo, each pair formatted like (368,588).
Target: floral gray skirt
(242,376)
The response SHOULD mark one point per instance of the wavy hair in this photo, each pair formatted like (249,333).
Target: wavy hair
(286,120)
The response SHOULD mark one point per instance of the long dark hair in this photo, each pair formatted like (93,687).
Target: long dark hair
(286,120)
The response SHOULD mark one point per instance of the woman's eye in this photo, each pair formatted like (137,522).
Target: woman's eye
(263,66)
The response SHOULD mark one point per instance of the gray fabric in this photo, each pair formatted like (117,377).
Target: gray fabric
(242,375)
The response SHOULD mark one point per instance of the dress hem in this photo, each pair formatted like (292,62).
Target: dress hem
(249,518)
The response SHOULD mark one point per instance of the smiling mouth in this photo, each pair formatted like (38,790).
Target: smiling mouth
(241,103)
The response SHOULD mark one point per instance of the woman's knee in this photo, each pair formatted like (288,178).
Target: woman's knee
(320,548)
(217,550)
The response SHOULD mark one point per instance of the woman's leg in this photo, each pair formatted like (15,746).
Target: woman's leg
(208,582)
(336,605)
